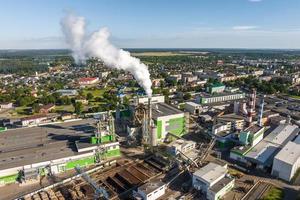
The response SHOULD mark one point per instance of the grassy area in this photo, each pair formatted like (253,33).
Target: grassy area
(94,92)
(295,97)
(64,108)
(274,194)
(20,111)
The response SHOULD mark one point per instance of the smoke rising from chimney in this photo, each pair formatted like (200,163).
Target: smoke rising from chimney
(98,45)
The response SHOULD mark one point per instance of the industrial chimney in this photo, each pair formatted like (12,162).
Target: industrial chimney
(151,129)
(261,111)
(251,107)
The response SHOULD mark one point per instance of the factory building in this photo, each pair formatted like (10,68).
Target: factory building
(154,99)
(151,191)
(228,123)
(167,119)
(155,120)
(181,146)
(287,161)
(252,135)
(215,88)
(193,108)
(262,154)
(34,120)
(206,98)
(51,149)
(268,116)
(6,105)
(213,181)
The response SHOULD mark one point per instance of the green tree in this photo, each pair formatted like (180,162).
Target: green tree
(64,100)
(24,100)
(78,108)
(89,96)
(187,96)
(35,107)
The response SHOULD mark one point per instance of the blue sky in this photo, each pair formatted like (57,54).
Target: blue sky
(156,23)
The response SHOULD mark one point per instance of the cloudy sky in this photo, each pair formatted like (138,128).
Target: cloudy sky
(156,23)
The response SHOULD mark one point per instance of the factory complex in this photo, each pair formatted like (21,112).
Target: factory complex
(139,151)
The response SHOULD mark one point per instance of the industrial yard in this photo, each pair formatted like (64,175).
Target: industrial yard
(118,181)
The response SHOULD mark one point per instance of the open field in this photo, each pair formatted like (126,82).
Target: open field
(64,108)
(94,92)
(18,112)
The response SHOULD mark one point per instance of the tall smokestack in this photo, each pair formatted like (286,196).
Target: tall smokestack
(149,111)
(261,111)
(251,107)
(151,132)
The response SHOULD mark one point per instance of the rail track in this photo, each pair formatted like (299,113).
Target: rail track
(258,191)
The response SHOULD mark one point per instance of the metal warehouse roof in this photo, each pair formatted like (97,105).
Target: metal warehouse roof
(217,187)
(211,172)
(163,109)
(290,153)
(254,128)
(192,104)
(266,149)
(282,134)
(24,146)
(263,152)
(230,117)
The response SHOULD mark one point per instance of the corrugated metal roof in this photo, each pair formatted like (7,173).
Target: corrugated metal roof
(211,172)
(290,153)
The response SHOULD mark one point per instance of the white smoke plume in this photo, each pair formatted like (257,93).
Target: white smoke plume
(98,45)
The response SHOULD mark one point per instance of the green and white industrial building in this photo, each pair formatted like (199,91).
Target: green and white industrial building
(168,119)
(216,93)
(215,88)
(259,151)
(165,119)
(206,98)
(34,152)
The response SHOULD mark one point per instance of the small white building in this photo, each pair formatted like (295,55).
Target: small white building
(103,75)
(213,180)
(154,99)
(192,108)
(151,190)
(33,120)
(6,105)
(287,161)
(181,146)
(67,92)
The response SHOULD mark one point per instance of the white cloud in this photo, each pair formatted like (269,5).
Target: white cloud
(244,28)
(255,0)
